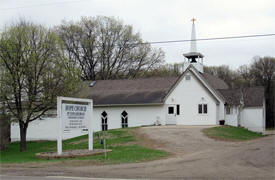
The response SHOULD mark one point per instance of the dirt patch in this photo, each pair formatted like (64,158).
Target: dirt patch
(145,140)
(71,153)
(124,144)
(79,142)
(269,132)
(48,164)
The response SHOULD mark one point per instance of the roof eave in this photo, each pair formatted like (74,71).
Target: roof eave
(193,54)
(138,104)
(215,93)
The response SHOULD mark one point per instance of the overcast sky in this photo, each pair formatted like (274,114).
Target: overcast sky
(161,20)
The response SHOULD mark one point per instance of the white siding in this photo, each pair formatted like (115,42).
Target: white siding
(253,119)
(46,129)
(190,93)
(197,65)
(137,116)
(221,113)
(232,119)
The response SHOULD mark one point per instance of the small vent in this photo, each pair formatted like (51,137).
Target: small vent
(187,77)
(92,83)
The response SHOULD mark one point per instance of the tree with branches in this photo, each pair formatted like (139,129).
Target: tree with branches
(34,72)
(105,48)
(263,74)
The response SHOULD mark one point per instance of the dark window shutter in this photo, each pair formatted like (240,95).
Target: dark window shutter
(178,109)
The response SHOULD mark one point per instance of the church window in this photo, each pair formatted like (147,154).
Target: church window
(202,109)
(171,110)
(104,121)
(124,119)
(205,108)
(228,110)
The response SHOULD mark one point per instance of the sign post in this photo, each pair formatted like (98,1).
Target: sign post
(91,133)
(74,117)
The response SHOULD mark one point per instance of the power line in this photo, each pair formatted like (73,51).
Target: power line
(38,5)
(188,40)
(208,39)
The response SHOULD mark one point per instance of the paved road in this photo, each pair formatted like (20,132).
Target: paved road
(7,177)
(195,157)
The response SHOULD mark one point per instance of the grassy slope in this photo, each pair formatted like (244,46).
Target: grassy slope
(231,133)
(125,149)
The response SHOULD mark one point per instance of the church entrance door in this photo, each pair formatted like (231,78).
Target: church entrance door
(171,115)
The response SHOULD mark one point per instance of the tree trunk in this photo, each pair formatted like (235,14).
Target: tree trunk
(23,135)
(4,131)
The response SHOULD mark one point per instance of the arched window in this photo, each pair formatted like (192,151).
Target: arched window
(104,121)
(202,106)
(124,119)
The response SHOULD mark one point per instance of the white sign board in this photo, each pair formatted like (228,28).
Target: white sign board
(75,116)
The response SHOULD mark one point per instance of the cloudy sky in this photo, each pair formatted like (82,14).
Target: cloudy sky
(161,20)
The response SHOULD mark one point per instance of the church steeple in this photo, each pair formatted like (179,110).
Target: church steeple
(194,57)
(193,47)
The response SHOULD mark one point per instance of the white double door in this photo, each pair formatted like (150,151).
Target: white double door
(171,114)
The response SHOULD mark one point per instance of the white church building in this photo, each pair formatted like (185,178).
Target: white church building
(193,98)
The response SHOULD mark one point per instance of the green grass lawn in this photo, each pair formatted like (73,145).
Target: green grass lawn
(231,133)
(122,142)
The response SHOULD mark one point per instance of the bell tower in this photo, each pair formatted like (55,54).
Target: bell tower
(193,57)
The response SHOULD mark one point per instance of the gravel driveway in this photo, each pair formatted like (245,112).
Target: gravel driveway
(195,156)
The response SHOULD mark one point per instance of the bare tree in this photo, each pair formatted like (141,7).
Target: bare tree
(263,73)
(34,73)
(164,70)
(243,77)
(223,72)
(105,48)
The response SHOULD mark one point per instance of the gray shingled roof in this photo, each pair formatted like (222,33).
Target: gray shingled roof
(214,81)
(154,90)
(252,96)
(136,91)
(129,91)
(232,96)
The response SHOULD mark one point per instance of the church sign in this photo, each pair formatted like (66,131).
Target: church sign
(75,116)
